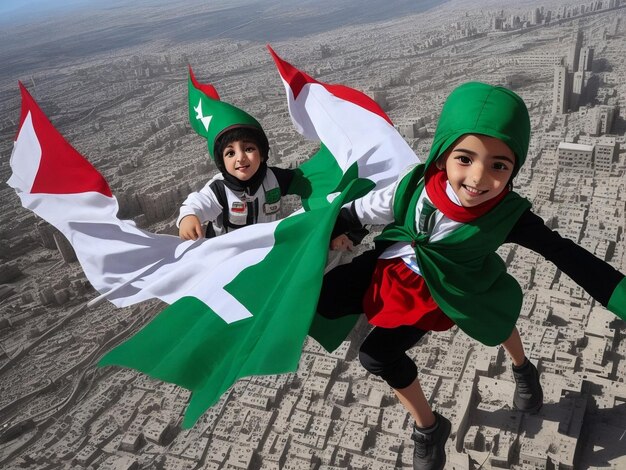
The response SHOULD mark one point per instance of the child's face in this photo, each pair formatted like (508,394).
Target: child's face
(478,168)
(242,159)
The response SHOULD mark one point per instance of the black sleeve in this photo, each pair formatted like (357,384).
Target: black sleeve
(349,224)
(594,275)
(284,177)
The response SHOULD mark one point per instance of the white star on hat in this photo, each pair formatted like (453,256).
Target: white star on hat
(205,120)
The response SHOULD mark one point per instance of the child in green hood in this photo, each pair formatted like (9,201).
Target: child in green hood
(435,264)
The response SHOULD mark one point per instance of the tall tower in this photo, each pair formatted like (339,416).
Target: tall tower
(607,115)
(578,88)
(574,52)
(535,16)
(561,90)
(586,59)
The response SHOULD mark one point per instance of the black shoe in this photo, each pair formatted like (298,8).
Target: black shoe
(430,448)
(528,393)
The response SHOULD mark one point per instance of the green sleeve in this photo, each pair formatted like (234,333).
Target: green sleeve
(617,302)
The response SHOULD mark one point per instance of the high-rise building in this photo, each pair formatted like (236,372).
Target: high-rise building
(586,59)
(496,23)
(573,52)
(607,115)
(578,89)
(606,150)
(561,90)
(576,157)
(593,124)
(535,16)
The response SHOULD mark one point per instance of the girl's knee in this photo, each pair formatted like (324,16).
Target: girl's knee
(372,365)
(398,373)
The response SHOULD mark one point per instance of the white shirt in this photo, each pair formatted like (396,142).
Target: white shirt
(376,208)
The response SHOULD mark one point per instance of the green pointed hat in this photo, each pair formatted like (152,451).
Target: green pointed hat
(479,108)
(211,117)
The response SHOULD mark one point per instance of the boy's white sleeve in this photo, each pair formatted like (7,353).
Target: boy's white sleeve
(203,204)
(376,207)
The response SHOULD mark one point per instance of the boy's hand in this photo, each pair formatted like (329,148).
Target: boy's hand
(340,243)
(190,228)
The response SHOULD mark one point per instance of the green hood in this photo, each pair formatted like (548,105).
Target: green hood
(479,108)
(211,117)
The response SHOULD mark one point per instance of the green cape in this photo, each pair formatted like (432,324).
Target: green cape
(465,276)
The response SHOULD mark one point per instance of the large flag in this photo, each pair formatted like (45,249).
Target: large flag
(241,304)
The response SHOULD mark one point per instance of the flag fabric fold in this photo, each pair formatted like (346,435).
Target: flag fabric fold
(241,304)
(351,126)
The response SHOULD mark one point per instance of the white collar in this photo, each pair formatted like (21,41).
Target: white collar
(452,195)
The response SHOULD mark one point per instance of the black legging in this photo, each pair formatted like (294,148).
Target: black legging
(383,352)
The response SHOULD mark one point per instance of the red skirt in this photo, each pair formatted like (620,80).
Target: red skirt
(398,296)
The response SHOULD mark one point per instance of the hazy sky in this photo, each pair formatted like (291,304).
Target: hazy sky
(26,11)
(48,33)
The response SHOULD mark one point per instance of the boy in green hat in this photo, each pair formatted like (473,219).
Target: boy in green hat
(435,263)
(247,190)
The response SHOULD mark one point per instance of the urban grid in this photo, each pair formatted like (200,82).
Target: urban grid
(126,111)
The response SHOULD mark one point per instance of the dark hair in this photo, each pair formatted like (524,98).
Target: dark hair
(250,134)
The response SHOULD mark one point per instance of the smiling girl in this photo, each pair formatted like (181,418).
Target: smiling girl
(435,263)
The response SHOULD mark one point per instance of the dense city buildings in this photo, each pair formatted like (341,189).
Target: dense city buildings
(125,109)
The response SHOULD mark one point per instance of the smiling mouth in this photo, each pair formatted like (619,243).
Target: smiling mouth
(239,168)
(473,191)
